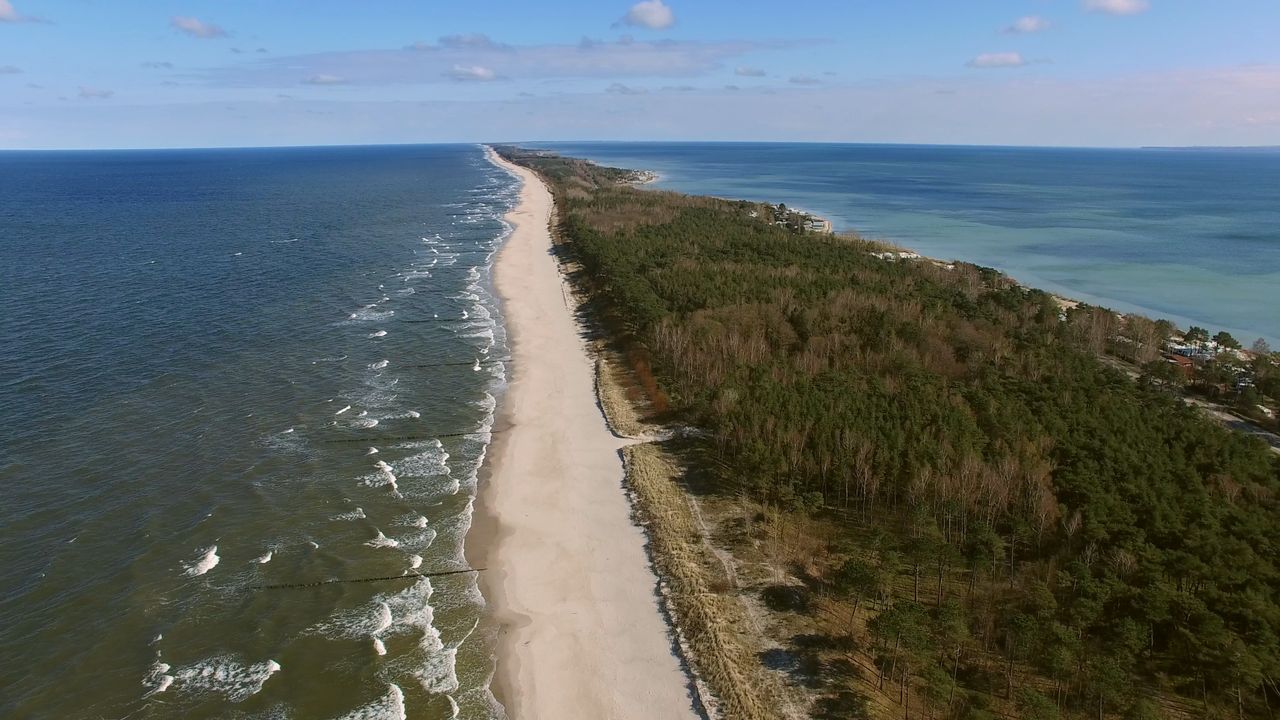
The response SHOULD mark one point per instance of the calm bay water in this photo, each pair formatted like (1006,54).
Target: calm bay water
(1193,236)
(200,352)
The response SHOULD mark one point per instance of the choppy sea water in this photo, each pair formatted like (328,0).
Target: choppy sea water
(234,368)
(1192,236)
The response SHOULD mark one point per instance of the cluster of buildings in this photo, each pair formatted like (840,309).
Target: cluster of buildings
(1190,356)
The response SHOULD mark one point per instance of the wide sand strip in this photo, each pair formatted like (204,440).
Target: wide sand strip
(568,578)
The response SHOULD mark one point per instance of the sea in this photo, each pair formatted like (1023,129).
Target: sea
(1191,235)
(245,398)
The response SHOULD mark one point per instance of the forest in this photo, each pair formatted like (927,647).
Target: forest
(1014,518)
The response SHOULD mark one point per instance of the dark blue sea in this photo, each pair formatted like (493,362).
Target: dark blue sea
(1188,235)
(226,369)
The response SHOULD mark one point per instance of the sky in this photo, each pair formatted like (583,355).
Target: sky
(215,73)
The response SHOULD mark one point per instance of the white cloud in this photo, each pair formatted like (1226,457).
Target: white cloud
(1118,7)
(742,71)
(804,80)
(472,73)
(88,93)
(988,61)
(1028,24)
(195,27)
(158,65)
(620,89)
(10,70)
(652,14)
(324,79)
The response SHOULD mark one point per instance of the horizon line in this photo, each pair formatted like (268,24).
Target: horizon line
(163,148)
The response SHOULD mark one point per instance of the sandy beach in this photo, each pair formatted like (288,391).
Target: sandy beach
(568,580)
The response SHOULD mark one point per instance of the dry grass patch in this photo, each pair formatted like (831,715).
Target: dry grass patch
(709,622)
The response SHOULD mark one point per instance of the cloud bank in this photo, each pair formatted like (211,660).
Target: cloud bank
(1237,105)
(478,57)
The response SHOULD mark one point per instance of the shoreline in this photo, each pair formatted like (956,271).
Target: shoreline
(569,586)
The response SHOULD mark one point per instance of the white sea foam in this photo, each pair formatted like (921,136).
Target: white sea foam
(286,432)
(372,451)
(383,478)
(362,413)
(370,313)
(314,545)
(208,558)
(224,675)
(382,541)
(158,678)
(430,463)
(357,514)
(380,333)
(379,365)
(415,562)
(378,647)
(389,707)
(419,541)
(484,332)
(343,410)
(438,674)
(264,558)
(364,423)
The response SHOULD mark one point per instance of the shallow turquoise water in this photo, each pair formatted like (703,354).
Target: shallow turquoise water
(1193,236)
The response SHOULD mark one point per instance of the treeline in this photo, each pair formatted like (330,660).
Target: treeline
(1017,521)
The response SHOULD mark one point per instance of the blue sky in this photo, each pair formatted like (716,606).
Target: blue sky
(161,73)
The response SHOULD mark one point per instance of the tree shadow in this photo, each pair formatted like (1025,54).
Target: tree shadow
(787,598)
(842,705)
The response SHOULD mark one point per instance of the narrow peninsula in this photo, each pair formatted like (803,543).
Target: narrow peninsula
(878,485)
